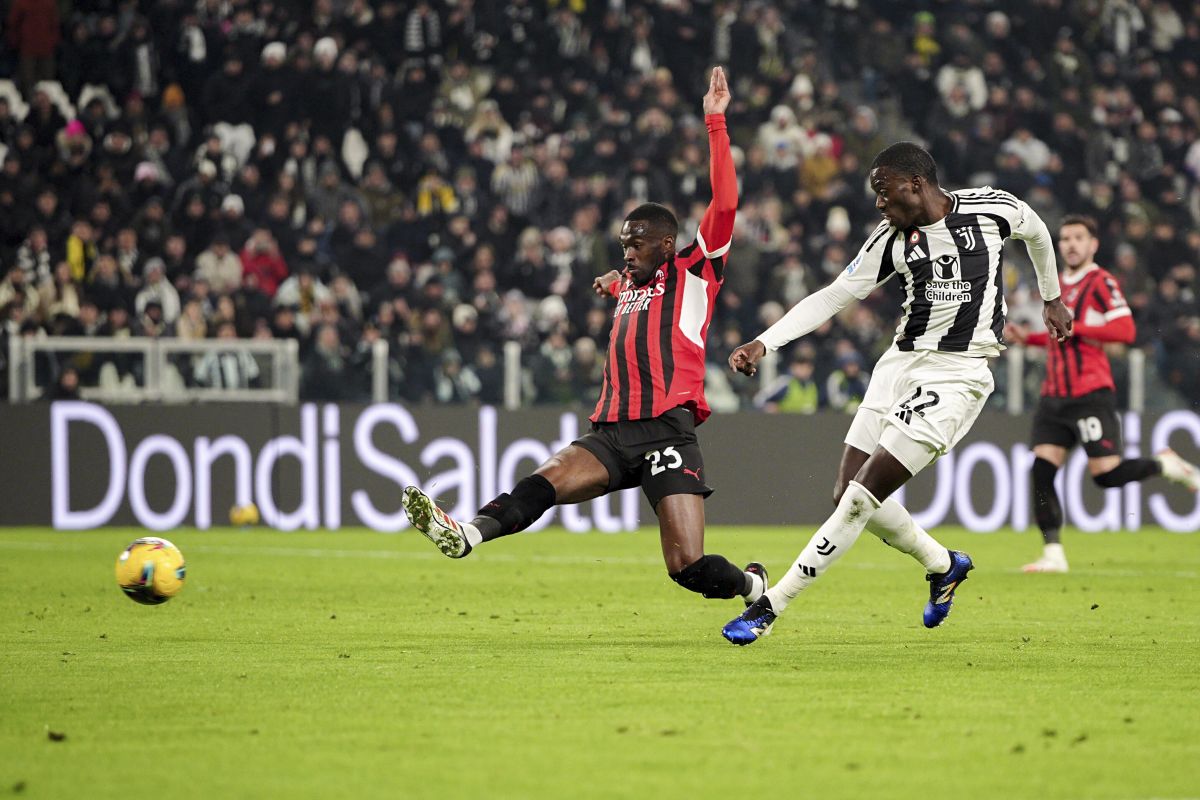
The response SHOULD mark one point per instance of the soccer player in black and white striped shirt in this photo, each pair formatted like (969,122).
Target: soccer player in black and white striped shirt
(928,388)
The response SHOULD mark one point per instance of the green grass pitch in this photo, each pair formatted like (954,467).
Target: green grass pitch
(554,665)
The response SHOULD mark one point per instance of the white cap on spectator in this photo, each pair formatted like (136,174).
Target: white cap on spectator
(462,313)
(207,168)
(552,309)
(233,202)
(325,47)
(838,221)
(275,51)
(561,236)
(145,171)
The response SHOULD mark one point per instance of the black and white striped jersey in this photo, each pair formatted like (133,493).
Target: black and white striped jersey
(951,271)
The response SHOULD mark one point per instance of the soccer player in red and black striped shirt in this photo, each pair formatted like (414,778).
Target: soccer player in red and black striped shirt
(1078,403)
(644,426)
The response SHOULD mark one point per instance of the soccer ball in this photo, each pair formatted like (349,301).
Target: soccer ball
(244,515)
(150,571)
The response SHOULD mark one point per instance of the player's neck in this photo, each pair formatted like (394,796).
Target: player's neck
(1074,274)
(936,205)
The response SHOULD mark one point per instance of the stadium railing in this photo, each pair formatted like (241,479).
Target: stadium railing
(162,370)
(1019,372)
(150,370)
(147,370)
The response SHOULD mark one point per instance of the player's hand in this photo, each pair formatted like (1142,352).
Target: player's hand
(717,99)
(746,357)
(1015,333)
(1058,319)
(603,284)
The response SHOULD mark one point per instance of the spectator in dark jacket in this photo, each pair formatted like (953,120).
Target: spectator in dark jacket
(33,31)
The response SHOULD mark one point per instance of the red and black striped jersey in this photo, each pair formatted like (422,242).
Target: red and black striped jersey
(656,349)
(1079,365)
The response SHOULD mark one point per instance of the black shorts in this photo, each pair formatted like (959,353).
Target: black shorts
(661,454)
(1091,420)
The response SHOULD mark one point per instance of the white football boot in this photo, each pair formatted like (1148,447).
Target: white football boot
(435,524)
(1053,560)
(1176,470)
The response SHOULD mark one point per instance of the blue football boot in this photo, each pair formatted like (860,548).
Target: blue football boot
(941,588)
(754,623)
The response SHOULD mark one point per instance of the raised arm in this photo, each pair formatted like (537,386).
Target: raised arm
(716,228)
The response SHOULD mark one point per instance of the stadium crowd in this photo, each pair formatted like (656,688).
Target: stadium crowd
(449,176)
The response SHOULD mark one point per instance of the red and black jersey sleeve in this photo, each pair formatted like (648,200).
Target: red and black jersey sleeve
(656,358)
(716,227)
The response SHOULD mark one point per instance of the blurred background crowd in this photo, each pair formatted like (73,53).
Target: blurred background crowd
(450,176)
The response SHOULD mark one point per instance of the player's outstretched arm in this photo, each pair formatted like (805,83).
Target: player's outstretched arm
(1020,334)
(862,276)
(1121,330)
(716,228)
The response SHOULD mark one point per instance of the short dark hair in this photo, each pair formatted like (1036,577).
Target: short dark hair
(1084,220)
(907,158)
(657,215)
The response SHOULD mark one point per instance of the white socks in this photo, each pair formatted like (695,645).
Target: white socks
(756,587)
(895,526)
(826,546)
(471,534)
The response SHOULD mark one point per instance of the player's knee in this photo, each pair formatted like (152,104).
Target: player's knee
(1043,472)
(679,559)
(709,576)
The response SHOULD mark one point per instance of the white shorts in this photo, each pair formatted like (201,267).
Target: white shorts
(919,404)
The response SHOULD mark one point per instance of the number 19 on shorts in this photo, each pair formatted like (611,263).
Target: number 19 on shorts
(1090,429)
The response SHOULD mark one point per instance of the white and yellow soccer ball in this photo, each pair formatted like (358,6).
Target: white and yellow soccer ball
(151,570)
(244,516)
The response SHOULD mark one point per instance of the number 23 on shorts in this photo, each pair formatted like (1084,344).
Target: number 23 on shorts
(663,460)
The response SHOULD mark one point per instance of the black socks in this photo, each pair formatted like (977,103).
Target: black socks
(1128,471)
(511,513)
(1046,508)
(713,577)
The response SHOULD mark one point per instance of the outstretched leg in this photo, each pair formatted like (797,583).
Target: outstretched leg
(1108,472)
(571,475)
(883,474)
(879,476)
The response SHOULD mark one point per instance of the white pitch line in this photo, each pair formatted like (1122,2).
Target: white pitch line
(900,565)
